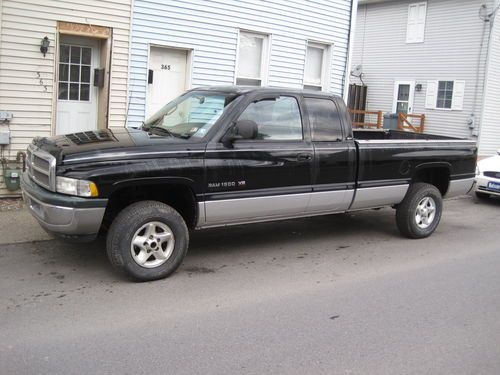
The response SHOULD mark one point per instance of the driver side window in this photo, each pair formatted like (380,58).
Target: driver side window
(277,119)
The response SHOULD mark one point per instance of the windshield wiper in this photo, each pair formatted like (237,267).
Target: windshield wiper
(162,129)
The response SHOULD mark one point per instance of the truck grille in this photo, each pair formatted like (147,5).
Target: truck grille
(41,167)
(492,174)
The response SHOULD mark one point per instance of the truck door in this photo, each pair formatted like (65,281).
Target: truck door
(334,157)
(268,176)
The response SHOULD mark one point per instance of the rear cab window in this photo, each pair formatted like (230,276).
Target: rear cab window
(324,119)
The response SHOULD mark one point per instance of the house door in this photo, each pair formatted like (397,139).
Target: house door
(167,76)
(77,97)
(403,97)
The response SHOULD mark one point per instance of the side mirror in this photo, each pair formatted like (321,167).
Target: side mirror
(242,129)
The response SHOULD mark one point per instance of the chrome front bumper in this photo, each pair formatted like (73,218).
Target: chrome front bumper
(71,218)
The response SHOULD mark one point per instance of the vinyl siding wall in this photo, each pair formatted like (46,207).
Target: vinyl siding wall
(27,78)
(489,138)
(451,51)
(210,29)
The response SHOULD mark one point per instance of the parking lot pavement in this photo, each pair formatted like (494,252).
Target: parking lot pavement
(324,295)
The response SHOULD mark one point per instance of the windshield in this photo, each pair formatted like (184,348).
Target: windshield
(190,115)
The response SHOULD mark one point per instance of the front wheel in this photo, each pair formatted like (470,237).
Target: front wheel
(418,215)
(147,241)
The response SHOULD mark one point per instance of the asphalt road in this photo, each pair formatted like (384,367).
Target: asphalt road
(340,294)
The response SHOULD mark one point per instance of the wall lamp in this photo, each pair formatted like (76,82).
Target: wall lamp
(44,47)
(418,87)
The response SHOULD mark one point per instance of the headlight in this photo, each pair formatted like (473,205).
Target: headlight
(72,186)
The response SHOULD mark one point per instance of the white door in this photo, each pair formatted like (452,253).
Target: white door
(167,78)
(403,97)
(76,95)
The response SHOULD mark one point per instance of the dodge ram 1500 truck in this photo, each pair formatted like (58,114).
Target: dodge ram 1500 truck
(234,155)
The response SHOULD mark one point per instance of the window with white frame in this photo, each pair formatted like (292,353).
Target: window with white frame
(316,69)
(252,59)
(415,30)
(448,95)
(444,94)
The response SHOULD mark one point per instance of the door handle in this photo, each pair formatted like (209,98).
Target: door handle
(304,157)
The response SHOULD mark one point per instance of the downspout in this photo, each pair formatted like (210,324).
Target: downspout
(350,43)
(476,131)
(129,94)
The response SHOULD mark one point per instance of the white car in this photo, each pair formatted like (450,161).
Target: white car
(488,177)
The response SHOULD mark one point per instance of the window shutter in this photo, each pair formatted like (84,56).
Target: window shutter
(415,30)
(431,94)
(421,13)
(411,29)
(457,103)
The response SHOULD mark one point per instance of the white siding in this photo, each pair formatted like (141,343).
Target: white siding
(451,51)
(489,138)
(211,30)
(27,78)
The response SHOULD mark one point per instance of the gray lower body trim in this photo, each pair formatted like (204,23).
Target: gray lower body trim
(330,201)
(378,196)
(65,221)
(459,187)
(256,208)
(277,207)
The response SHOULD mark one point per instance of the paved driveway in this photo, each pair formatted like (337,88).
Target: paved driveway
(325,295)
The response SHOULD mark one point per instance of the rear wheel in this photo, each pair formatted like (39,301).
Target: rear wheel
(418,215)
(147,241)
(482,195)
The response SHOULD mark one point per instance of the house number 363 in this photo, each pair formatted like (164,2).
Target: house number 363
(165,67)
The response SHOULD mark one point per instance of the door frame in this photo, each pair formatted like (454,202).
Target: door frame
(189,68)
(104,35)
(81,41)
(411,95)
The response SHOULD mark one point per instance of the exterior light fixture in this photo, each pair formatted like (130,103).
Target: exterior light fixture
(44,47)
(418,87)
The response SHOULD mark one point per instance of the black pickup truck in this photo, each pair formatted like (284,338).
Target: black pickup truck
(234,155)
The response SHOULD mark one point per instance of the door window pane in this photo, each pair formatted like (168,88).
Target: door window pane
(84,92)
(402,107)
(324,119)
(64,54)
(314,66)
(85,77)
(276,119)
(63,72)
(86,56)
(404,92)
(63,91)
(73,91)
(74,75)
(75,54)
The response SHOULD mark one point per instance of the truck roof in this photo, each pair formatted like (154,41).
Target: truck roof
(257,89)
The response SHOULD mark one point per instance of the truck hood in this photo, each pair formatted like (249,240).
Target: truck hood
(115,144)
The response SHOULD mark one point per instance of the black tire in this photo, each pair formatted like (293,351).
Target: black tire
(406,213)
(482,195)
(124,228)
